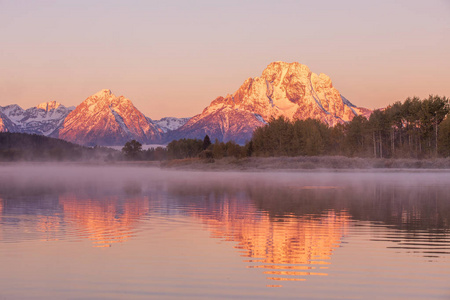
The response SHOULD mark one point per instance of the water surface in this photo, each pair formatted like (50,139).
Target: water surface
(86,232)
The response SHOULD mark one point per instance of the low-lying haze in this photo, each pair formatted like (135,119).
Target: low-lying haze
(66,177)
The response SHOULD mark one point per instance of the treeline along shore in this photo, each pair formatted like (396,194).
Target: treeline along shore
(412,134)
(33,147)
(415,132)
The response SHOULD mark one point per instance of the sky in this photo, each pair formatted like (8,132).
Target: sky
(172,58)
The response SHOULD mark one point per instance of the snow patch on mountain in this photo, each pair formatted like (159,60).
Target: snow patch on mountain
(346,102)
(43,119)
(121,122)
(169,123)
(259,118)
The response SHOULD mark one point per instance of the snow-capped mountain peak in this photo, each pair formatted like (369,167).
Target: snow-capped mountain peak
(43,119)
(104,119)
(14,112)
(103,93)
(284,89)
(169,123)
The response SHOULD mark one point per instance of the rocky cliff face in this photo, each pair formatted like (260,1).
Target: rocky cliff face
(44,119)
(221,122)
(5,124)
(104,119)
(284,89)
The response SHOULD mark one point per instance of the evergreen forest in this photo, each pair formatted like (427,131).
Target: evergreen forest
(416,128)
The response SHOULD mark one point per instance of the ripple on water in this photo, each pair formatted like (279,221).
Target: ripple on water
(286,247)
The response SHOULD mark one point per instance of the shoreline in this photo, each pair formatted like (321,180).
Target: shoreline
(308,163)
(270,164)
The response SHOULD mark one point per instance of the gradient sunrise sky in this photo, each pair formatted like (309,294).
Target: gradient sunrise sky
(172,58)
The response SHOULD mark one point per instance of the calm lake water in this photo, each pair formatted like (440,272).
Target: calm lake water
(87,232)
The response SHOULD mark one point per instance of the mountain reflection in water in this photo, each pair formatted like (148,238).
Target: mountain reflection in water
(287,246)
(288,231)
(104,221)
(291,232)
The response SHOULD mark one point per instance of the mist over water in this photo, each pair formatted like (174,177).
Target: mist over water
(125,232)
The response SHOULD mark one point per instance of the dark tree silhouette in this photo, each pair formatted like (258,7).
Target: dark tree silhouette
(206,142)
(33,147)
(132,149)
(412,129)
(184,148)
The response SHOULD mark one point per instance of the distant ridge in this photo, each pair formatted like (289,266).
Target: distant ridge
(284,89)
(44,119)
(102,119)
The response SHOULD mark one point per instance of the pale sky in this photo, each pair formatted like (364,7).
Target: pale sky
(172,58)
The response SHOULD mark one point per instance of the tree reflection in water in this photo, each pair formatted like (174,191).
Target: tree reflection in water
(291,231)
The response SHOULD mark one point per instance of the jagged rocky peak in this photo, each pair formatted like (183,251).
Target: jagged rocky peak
(293,91)
(104,92)
(284,89)
(47,106)
(104,119)
(101,97)
(281,73)
(12,110)
(44,119)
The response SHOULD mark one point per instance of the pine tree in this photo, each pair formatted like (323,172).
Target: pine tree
(206,142)
(132,149)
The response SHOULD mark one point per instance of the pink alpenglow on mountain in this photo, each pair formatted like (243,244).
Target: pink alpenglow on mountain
(284,89)
(3,127)
(104,119)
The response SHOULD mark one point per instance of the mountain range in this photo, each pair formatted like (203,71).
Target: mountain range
(44,119)
(284,89)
